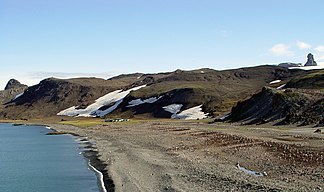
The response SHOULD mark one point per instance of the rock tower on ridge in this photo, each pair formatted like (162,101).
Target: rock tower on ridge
(310,60)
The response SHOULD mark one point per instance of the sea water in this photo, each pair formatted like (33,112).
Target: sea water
(31,161)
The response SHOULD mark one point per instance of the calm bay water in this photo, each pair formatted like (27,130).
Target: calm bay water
(32,161)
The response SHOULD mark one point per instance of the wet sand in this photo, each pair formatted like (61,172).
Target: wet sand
(191,156)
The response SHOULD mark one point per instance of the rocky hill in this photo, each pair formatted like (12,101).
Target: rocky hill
(174,94)
(52,95)
(301,101)
(12,90)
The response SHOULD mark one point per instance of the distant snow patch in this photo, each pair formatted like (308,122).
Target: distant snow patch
(281,87)
(192,113)
(275,81)
(308,67)
(140,101)
(250,172)
(19,95)
(202,71)
(173,108)
(115,98)
(224,117)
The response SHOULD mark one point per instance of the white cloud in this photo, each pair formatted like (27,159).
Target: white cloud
(319,48)
(281,50)
(303,45)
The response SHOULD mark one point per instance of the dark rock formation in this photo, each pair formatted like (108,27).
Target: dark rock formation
(289,106)
(310,60)
(13,84)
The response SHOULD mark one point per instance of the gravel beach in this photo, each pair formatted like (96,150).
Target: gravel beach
(163,155)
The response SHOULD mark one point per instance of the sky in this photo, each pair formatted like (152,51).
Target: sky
(102,38)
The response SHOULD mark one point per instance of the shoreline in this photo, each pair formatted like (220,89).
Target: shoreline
(194,156)
(88,150)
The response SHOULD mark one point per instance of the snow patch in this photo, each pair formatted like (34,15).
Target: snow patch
(115,98)
(192,113)
(250,172)
(19,95)
(281,87)
(173,108)
(224,117)
(308,67)
(202,71)
(140,101)
(275,81)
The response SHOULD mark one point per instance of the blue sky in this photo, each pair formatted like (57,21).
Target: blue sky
(68,38)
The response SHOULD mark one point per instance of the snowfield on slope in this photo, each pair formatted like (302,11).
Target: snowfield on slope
(275,81)
(191,113)
(113,98)
(140,101)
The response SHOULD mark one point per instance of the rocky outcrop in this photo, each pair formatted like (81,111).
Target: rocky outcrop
(13,84)
(12,90)
(310,60)
(289,106)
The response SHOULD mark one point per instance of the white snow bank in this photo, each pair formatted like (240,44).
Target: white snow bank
(192,113)
(115,98)
(275,81)
(308,67)
(140,101)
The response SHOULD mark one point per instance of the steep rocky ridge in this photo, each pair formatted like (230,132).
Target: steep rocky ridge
(301,102)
